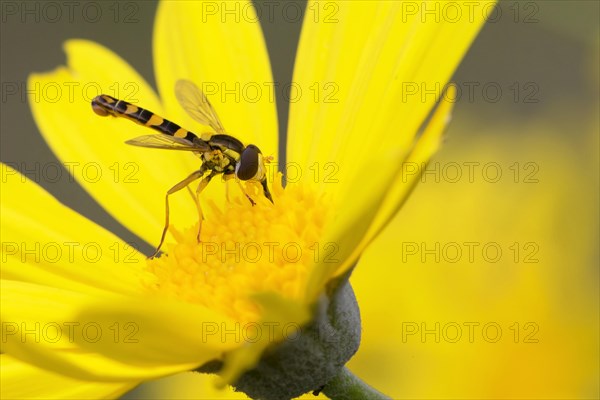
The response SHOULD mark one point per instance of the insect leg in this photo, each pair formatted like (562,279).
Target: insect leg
(201,186)
(244,191)
(193,176)
(266,190)
(198,208)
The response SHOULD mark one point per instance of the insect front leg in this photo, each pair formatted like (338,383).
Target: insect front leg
(244,191)
(195,175)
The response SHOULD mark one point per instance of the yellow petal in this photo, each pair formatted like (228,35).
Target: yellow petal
(104,338)
(412,168)
(130,183)
(279,314)
(370,70)
(364,209)
(167,332)
(23,381)
(190,385)
(405,178)
(45,242)
(220,47)
(356,206)
(194,386)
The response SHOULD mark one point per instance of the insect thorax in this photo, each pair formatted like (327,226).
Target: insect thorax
(220,161)
(225,153)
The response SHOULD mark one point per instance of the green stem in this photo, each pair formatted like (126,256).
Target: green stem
(346,386)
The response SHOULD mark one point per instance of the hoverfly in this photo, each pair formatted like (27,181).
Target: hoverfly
(220,153)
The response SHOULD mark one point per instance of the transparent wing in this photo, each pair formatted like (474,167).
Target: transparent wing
(197,105)
(161,141)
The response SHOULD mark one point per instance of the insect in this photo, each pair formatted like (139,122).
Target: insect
(220,153)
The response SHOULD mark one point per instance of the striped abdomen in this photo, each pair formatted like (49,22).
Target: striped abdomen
(105,105)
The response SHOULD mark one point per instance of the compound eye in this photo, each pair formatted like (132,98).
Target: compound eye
(248,165)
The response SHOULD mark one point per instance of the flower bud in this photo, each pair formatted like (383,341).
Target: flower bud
(308,360)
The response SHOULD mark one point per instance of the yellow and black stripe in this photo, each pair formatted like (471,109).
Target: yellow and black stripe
(105,105)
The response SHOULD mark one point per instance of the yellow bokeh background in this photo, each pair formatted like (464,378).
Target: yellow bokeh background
(549,287)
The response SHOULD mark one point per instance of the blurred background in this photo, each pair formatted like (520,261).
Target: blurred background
(486,284)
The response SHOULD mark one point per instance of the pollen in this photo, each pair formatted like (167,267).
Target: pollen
(244,250)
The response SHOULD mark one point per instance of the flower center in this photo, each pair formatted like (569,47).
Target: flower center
(244,250)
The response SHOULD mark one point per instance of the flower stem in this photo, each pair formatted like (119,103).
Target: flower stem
(347,386)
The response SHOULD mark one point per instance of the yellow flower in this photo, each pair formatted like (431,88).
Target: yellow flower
(96,316)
